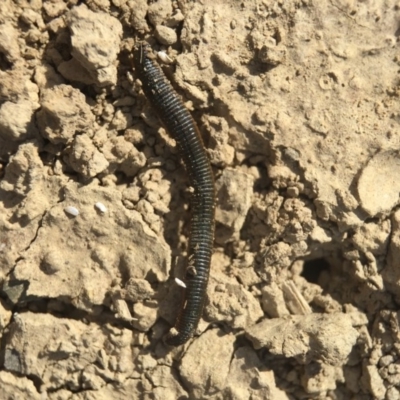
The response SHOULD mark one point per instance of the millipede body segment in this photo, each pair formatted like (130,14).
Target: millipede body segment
(181,126)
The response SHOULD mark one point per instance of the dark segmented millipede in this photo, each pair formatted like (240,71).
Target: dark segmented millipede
(181,126)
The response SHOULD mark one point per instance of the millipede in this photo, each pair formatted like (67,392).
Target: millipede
(181,126)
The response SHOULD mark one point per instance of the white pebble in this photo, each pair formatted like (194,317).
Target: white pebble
(180,283)
(101,207)
(71,211)
(164,57)
(2,246)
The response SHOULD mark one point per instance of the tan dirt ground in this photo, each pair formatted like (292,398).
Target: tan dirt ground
(298,103)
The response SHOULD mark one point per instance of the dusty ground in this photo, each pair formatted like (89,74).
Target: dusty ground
(298,102)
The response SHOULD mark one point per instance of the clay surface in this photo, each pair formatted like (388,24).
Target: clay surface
(298,104)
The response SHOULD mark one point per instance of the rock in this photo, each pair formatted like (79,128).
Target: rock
(372,237)
(230,302)
(159,12)
(378,186)
(391,273)
(139,12)
(327,338)
(165,35)
(132,388)
(220,152)
(36,340)
(272,55)
(74,71)
(16,120)
(374,382)
(16,387)
(196,368)
(273,302)
(137,290)
(5,318)
(320,378)
(95,39)
(54,9)
(248,378)
(47,77)
(16,85)
(145,316)
(64,113)
(166,384)
(234,190)
(85,158)
(123,155)
(9,42)
(24,170)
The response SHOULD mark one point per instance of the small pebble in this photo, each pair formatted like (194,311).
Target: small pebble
(165,35)
(101,207)
(71,211)
(180,283)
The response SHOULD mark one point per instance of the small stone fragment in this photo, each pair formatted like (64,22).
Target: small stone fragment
(248,379)
(137,290)
(122,310)
(9,42)
(166,384)
(35,340)
(95,39)
(378,186)
(24,170)
(273,302)
(139,12)
(231,302)
(85,158)
(272,55)
(16,120)
(196,367)
(221,152)
(74,71)
(374,382)
(234,189)
(372,237)
(64,113)
(391,273)
(319,377)
(159,11)
(5,317)
(315,337)
(145,316)
(17,387)
(165,35)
